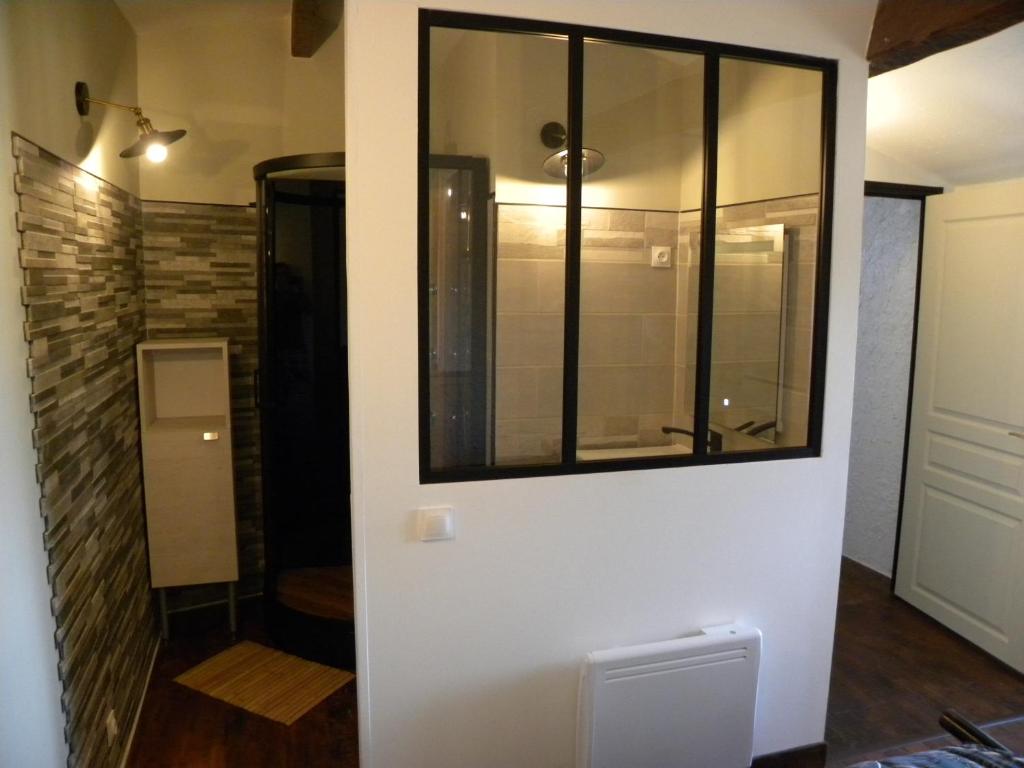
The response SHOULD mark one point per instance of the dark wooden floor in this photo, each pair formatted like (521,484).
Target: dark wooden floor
(182,728)
(895,670)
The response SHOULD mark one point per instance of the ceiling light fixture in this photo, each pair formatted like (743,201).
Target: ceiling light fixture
(152,143)
(553,136)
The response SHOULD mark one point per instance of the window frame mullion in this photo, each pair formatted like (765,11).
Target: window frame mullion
(706,289)
(573,252)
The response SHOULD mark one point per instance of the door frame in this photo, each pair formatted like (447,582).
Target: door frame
(920,193)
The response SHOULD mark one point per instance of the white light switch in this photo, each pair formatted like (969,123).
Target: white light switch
(436,523)
(661,256)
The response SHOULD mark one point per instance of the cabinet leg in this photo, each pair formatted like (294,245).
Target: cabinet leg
(232,610)
(165,629)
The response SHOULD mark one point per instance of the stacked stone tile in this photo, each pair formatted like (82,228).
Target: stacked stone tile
(102,272)
(199,277)
(80,239)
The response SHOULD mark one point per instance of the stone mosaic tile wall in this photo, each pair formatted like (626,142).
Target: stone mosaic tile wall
(199,277)
(80,241)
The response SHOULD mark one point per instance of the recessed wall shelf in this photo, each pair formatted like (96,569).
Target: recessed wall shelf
(185,414)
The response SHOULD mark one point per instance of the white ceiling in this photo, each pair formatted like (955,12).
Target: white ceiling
(958,115)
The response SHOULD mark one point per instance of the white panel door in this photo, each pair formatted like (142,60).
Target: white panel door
(961,557)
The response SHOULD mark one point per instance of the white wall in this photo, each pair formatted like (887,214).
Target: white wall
(226,74)
(769,132)
(49,48)
(881,167)
(469,649)
(44,49)
(885,332)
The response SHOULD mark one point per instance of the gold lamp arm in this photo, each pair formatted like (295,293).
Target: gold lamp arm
(83,100)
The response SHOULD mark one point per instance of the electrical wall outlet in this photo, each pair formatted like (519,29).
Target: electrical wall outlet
(112,730)
(661,256)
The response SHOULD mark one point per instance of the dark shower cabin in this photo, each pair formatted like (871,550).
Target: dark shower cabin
(303,407)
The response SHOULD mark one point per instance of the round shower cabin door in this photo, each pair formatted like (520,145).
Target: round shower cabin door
(303,407)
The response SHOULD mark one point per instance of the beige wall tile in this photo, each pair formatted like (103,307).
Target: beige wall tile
(626,220)
(627,288)
(656,394)
(748,287)
(661,220)
(801,202)
(611,339)
(515,393)
(609,391)
(621,425)
(549,391)
(659,336)
(597,238)
(616,255)
(595,218)
(746,385)
(530,286)
(517,288)
(740,337)
(733,213)
(524,339)
(551,286)
(548,216)
(528,233)
(512,250)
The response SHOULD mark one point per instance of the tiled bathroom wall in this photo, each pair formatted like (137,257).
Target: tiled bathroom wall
(80,252)
(638,326)
(627,329)
(103,271)
(199,279)
(530,307)
(744,367)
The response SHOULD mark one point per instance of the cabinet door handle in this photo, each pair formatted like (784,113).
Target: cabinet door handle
(209,436)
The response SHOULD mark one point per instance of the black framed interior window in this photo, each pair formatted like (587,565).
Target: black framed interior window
(623,249)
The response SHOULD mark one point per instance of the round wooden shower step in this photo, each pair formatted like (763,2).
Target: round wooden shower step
(325,592)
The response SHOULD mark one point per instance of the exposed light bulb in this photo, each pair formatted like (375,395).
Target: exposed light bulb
(725,402)
(449,191)
(156,153)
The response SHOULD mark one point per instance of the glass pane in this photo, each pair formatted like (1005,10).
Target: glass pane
(497,249)
(643,117)
(769,178)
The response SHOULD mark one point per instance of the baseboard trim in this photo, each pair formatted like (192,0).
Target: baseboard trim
(807,756)
(138,710)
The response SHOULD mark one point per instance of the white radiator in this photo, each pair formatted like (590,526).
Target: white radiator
(686,703)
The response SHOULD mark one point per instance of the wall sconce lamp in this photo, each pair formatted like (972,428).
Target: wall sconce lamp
(553,136)
(152,143)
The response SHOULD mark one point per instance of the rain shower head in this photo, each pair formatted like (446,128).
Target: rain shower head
(553,136)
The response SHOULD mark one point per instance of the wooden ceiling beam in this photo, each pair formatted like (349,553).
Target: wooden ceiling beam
(313,22)
(906,31)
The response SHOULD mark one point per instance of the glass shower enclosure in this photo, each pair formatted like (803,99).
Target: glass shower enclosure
(303,407)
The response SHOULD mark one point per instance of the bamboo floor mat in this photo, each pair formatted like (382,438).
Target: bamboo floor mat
(266,682)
